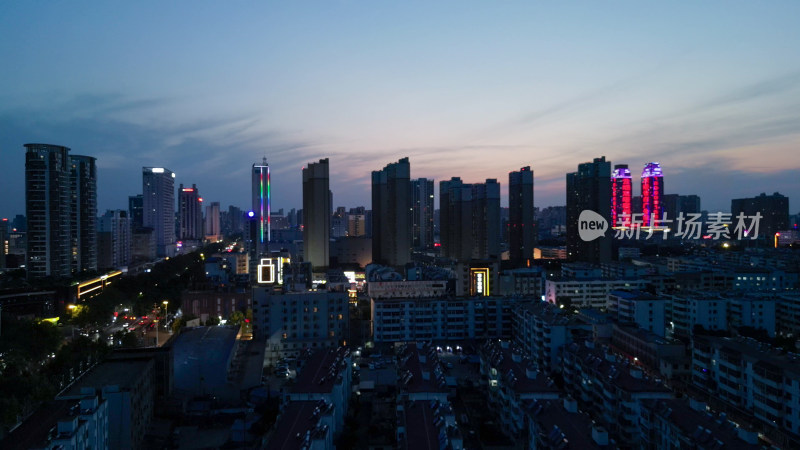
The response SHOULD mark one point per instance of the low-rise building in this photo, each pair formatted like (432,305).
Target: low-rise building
(609,388)
(75,424)
(513,380)
(645,310)
(542,330)
(403,320)
(590,292)
(294,321)
(751,376)
(697,308)
(325,375)
(427,425)
(128,387)
(420,375)
(674,423)
(303,425)
(554,424)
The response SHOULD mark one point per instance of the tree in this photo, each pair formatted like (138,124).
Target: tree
(236,318)
(212,321)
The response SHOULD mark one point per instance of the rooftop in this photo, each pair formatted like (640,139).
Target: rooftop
(419,368)
(557,424)
(298,424)
(425,426)
(517,371)
(35,430)
(122,373)
(635,295)
(321,370)
(201,357)
(701,426)
(607,366)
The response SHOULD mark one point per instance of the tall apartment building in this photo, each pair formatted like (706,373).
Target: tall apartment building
(774,210)
(190,214)
(470,219)
(589,189)
(61,210)
(521,224)
(113,239)
(392,214)
(213,231)
(83,198)
(158,207)
(316,213)
(422,210)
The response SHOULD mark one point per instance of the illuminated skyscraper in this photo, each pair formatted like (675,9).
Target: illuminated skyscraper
(521,226)
(652,193)
(621,195)
(158,207)
(316,213)
(261,205)
(392,214)
(190,214)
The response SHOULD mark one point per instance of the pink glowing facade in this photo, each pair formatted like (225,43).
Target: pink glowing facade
(652,193)
(621,195)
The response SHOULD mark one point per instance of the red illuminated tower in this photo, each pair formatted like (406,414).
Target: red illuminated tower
(621,194)
(652,193)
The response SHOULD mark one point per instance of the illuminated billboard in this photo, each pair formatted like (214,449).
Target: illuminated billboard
(270,270)
(479,281)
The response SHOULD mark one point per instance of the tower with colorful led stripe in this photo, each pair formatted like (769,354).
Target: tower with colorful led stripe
(652,193)
(261,205)
(621,195)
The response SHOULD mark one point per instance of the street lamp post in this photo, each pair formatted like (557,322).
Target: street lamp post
(166,311)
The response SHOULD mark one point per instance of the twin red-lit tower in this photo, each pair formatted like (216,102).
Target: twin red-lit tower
(622,195)
(652,194)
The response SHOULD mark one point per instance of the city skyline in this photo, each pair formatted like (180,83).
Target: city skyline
(473,91)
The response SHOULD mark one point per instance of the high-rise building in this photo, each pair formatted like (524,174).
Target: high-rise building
(422,205)
(158,207)
(689,204)
(3,242)
(521,222)
(486,219)
(391,222)
(190,213)
(621,196)
(339,223)
(774,210)
(316,213)
(136,211)
(652,194)
(589,189)
(83,198)
(113,239)
(470,219)
(261,195)
(213,232)
(47,207)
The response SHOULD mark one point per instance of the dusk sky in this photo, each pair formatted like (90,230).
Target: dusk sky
(711,90)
